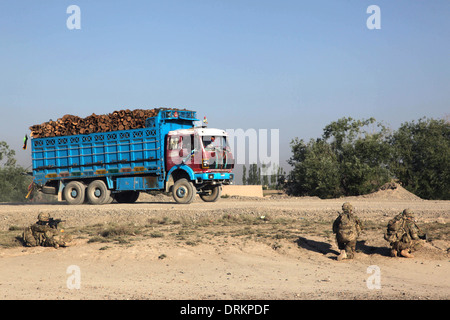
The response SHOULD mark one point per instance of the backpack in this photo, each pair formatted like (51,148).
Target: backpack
(28,238)
(395,229)
(347,227)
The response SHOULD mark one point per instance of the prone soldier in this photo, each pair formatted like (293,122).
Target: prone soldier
(45,232)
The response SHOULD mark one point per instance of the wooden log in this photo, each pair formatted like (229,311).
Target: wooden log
(116,120)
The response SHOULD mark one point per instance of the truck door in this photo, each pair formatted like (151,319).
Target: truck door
(183,148)
(174,146)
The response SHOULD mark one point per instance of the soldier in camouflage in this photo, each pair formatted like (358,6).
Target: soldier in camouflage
(46,234)
(347,228)
(403,234)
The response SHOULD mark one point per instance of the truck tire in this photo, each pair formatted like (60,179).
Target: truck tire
(74,192)
(97,192)
(183,191)
(110,199)
(127,196)
(49,190)
(213,196)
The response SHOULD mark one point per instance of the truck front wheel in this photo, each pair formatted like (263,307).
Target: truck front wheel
(97,192)
(212,194)
(74,192)
(183,191)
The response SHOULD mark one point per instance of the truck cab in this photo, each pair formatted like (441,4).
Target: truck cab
(203,156)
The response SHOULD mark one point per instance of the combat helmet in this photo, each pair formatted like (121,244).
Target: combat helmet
(44,217)
(407,213)
(347,207)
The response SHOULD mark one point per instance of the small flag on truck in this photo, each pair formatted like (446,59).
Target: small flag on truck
(25,140)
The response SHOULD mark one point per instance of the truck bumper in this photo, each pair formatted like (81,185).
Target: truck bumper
(214,177)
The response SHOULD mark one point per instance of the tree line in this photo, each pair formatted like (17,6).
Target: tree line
(355,157)
(259,176)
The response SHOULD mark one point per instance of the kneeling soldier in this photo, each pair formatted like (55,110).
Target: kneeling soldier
(403,234)
(347,228)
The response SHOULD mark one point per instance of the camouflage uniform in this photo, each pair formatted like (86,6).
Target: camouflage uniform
(403,234)
(347,228)
(42,234)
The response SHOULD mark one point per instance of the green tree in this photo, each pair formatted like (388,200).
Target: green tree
(244,175)
(265,176)
(7,155)
(277,178)
(273,179)
(421,157)
(254,175)
(281,179)
(315,169)
(363,153)
(13,179)
(351,158)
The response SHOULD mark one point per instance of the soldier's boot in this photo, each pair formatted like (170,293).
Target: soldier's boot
(342,256)
(393,253)
(351,251)
(405,253)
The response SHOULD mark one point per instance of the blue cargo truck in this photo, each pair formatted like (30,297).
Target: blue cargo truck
(169,155)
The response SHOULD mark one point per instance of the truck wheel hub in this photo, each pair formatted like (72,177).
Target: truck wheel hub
(181,192)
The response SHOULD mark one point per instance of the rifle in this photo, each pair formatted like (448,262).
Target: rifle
(423,235)
(53,223)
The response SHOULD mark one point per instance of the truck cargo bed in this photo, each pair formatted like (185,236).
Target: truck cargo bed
(97,154)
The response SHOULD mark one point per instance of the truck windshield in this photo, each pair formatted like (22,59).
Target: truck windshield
(214,142)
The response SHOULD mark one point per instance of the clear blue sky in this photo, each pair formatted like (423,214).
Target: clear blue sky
(289,65)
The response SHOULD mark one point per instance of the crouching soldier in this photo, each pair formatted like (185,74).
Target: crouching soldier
(347,228)
(45,232)
(403,234)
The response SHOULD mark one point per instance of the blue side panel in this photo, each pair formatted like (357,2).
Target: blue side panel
(138,183)
(89,155)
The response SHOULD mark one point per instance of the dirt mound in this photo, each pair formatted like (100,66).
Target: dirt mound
(392,190)
(155,197)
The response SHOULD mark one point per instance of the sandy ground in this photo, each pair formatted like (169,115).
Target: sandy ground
(257,259)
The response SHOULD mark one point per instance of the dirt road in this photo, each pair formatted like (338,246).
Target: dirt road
(271,248)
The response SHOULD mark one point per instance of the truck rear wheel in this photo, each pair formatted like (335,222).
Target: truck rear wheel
(183,191)
(97,192)
(213,194)
(74,192)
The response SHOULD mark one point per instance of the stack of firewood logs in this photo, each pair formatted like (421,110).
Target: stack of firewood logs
(73,125)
